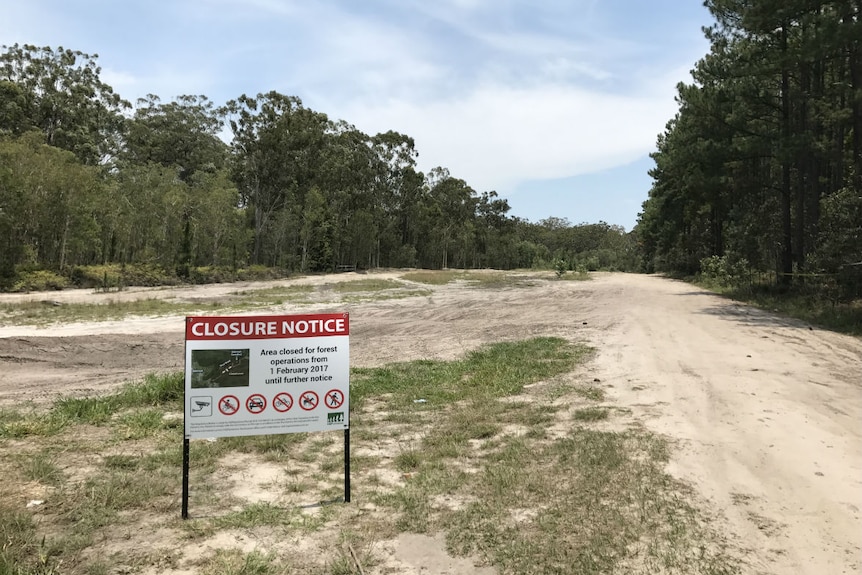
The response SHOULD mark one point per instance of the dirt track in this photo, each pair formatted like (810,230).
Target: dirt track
(766,412)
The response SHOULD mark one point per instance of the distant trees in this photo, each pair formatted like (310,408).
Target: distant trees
(87,180)
(60,94)
(763,161)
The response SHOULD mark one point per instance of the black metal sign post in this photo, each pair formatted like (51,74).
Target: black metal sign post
(347,465)
(185,478)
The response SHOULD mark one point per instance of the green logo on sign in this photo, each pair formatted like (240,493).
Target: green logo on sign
(335,418)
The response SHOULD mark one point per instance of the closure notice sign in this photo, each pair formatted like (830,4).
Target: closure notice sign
(264,375)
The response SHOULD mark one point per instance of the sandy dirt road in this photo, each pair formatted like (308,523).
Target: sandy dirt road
(765,413)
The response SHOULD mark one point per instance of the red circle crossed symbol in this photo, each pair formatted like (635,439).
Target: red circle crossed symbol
(282,402)
(308,400)
(255,403)
(334,398)
(228,405)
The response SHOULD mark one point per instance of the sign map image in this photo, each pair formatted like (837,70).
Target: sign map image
(219,368)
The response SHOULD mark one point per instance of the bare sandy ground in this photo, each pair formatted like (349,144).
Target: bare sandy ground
(766,413)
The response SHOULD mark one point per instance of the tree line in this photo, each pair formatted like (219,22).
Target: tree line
(87,179)
(761,168)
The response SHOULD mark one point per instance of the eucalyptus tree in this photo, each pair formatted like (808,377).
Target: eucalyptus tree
(451,210)
(60,93)
(48,201)
(276,148)
(181,134)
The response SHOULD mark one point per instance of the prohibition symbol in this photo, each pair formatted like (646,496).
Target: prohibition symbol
(282,402)
(228,405)
(255,403)
(334,398)
(308,400)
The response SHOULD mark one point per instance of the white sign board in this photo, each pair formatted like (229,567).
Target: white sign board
(264,375)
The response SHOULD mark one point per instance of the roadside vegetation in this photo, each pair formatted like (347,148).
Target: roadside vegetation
(506,452)
(824,300)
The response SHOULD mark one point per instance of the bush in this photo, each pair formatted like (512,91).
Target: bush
(259,273)
(38,280)
(561,267)
(117,276)
(723,271)
(211,275)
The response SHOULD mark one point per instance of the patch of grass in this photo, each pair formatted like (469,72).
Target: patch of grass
(408,460)
(273,447)
(439,277)
(366,285)
(138,424)
(575,276)
(156,390)
(386,296)
(495,280)
(591,503)
(276,293)
(256,515)
(590,414)
(42,467)
(590,392)
(39,314)
(490,372)
(123,462)
(235,562)
(16,425)
(21,551)
(479,279)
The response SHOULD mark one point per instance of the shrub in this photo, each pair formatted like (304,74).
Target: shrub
(723,271)
(39,280)
(560,267)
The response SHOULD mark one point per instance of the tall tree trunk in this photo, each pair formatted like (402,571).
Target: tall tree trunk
(786,268)
(855,64)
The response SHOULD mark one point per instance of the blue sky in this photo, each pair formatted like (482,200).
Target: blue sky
(555,104)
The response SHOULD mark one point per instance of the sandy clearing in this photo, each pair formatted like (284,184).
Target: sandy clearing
(766,413)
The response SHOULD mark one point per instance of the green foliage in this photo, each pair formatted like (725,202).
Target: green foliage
(560,267)
(763,161)
(494,371)
(165,390)
(109,277)
(60,94)
(21,552)
(724,271)
(41,280)
(158,199)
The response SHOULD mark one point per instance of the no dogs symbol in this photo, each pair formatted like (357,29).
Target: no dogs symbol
(308,400)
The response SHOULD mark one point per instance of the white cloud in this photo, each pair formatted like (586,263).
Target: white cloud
(499,136)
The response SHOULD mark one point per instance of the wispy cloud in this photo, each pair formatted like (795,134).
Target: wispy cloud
(500,136)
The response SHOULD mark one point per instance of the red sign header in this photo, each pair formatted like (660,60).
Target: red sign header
(267,326)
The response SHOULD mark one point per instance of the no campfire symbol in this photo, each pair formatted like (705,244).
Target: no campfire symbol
(308,400)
